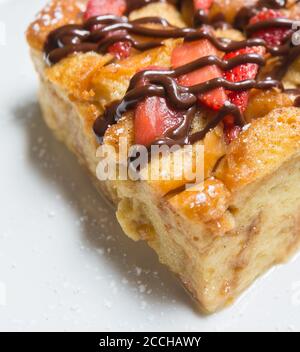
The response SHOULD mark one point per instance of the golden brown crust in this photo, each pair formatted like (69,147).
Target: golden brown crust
(111,82)
(205,202)
(169,12)
(75,73)
(209,236)
(261,102)
(261,148)
(85,78)
(91,84)
(57,13)
(229,8)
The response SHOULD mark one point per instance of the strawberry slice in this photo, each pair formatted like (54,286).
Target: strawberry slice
(241,73)
(104,7)
(188,52)
(203,4)
(273,36)
(231,132)
(240,99)
(154,118)
(120,50)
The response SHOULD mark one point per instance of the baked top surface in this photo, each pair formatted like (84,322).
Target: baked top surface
(61,235)
(93,81)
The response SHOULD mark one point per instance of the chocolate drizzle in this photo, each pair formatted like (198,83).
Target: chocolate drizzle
(162,83)
(288,54)
(81,38)
(297,102)
(136,4)
(99,33)
(274,22)
(245,13)
(200,18)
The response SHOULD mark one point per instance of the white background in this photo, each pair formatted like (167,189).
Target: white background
(64,263)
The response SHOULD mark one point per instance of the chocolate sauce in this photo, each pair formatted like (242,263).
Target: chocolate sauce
(243,16)
(136,4)
(274,22)
(99,33)
(272,4)
(83,38)
(200,18)
(162,83)
(285,62)
(297,102)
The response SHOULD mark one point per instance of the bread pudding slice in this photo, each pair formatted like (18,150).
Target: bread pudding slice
(243,215)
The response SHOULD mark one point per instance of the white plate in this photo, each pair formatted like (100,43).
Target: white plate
(64,262)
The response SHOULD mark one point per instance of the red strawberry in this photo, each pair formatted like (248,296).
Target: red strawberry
(231,132)
(202,4)
(189,52)
(240,99)
(154,118)
(104,7)
(241,73)
(272,36)
(120,50)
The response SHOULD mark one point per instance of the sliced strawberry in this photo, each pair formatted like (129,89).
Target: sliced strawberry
(104,7)
(120,50)
(241,73)
(272,36)
(203,4)
(231,132)
(153,119)
(240,99)
(189,52)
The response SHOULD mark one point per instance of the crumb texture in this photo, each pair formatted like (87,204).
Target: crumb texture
(244,214)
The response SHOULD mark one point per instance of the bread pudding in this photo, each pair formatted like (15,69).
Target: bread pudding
(218,76)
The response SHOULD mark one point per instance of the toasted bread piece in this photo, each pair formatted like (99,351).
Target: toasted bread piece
(219,235)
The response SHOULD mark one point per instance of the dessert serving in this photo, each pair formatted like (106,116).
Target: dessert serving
(219,75)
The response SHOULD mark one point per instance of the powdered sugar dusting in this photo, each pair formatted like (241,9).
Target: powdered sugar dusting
(57,12)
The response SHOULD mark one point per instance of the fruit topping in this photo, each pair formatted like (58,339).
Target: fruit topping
(154,118)
(240,99)
(274,35)
(203,4)
(191,51)
(121,49)
(242,73)
(104,7)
